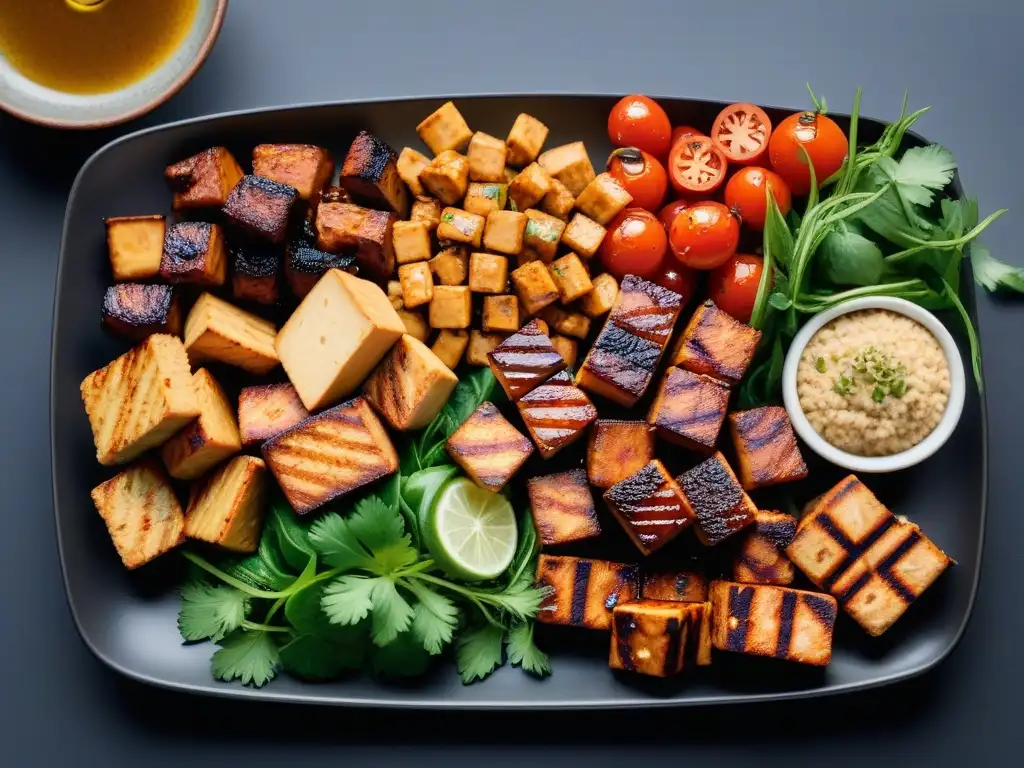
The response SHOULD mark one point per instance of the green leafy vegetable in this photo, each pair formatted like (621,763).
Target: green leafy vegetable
(210,612)
(994,275)
(434,618)
(248,656)
(292,536)
(478,652)
(849,258)
(314,657)
(522,651)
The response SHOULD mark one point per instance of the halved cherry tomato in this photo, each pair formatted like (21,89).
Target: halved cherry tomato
(746,193)
(667,214)
(639,121)
(824,141)
(733,286)
(704,236)
(636,244)
(742,132)
(697,166)
(678,278)
(641,174)
(682,131)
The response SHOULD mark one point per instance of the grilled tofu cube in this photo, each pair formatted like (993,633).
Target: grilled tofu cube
(488,273)
(141,512)
(204,180)
(766,447)
(427,210)
(875,564)
(503,232)
(488,448)
(370,175)
(603,199)
(525,139)
(344,227)
(760,557)
(717,499)
(255,270)
(304,266)
(266,410)
(486,157)
(650,507)
(617,450)
(534,286)
(460,226)
(135,311)
(762,620)
(525,361)
(447,177)
(689,409)
(583,235)
(216,331)
(305,167)
(570,323)
(556,414)
(716,344)
(410,385)
(417,284)
(570,164)
(501,314)
(483,199)
(444,129)
(563,507)
(450,266)
(415,324)
(140,399)
(451,307)
(449,346)
(543,233)
(410,241)
(394,291)
(481,345)
(679,586)
(229,507)
(602,298)
(658,638)
(570,278)
(330,454)
(194,252)
(567,348)
(208,440)
(558,201)
(542,326)
(410,165)
(528,187)
(135,245)
(583,592)
(261,207)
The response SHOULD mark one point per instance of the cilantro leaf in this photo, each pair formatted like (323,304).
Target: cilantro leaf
(332,538)
(391,613)
(434,618)
(381,530)
(993,274)
(305,613)
(313,657)
(478,652)
(522,651)
(347,599)
(248,656)
(959,216)
(921,172)
(209,612)
(404,657)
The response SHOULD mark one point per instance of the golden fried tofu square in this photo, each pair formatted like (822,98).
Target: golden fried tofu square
(370,175)
(571,278)
(602,298)
(229,507)
(525,140)
(766,447)
(450,345)
(503,232)
(194,252)
(203,180)
(364,232)
(447,177)
(486,157)
(528,187)
(135,311)
(488,273)
(135,245)
(458,226)
(583,592)
(689,409)
(567,348)
(500,314)
(573,324)
(415,323)
(543,233)
(305,167)
(410,165)
(650,507)
(563,507)
(570,164)
(603,199)
(618,449)
(417,284)
(524,361)
(426,209)
(760,556)
(688,586)
(488,448)
(480,345)
(444,129)
(410,241)
(216,331)
(451,266)
(719,503)
(208,440)
(658,638)
(261,207)
(556,414)
(483,198)
(410,385)
(534,286)
(451,307)
(716,344)
(265,410)
(558,201)
(583,235)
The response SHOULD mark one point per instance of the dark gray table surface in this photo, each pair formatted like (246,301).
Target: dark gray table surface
(59,704)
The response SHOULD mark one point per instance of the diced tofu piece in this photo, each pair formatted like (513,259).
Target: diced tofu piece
(617,450)
(583,235)
(680,586)
(534,286)
(488,448)
(570,323)
(415,324)
(650,507)
(449,346)
(525,361)
(525,139)
(461,227)
(370,175)
(330,454)
(488,273)
(874,563)
(714,494)
(410,385)
(336,336)
(716,344)
(503,232)
(255,270)
(689,409)
(335,194)
(660,639)
(204,180)
(135,245)
(486,157)
(543,233)
(563,507)
(777,622)
(208,440)
(451,307)
(766,447)
(570,278)
(567,348)
(410,165)
(447,177)
(450,266)
(444,129)
(426,209)
(529,187)
(542,326)
(483,199)
(501,314)
(194,252)
(345,227)
(230,506)
(417,284)
(570,164)
(305,167)
(556,414)
(558,201)
(216,331)
(583,592)
(266,410)
(510,173)
(603,199)
(261,207)
(394,292)
(304,266)
(602,298)
(480,345)
(135,311)
(141,512)
(760,557)
(140,399)
(411,241)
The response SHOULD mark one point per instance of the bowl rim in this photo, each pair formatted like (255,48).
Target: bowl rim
(897,461)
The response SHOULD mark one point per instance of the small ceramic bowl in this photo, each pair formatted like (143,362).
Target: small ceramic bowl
(45,106)
(897,461)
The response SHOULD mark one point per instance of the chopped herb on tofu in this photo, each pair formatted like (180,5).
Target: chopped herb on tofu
(482,198)
(460,226)
(543,233)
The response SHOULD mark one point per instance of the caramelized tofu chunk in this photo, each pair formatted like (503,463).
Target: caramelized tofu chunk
(488,273)
(501,314)
(488,448)
(216,331)
(760,557)
(486,157)
(558,201)
(524,361)
(410,241)
(567,348)
(503,232)
(305,167)
(650,506)
(766,447)
(556,414)
(415,324)
(344,227)
(660,639)
(583,235)
(717,499)
(204,180)
(481,345)
(602,298)
(208,440)
(135,245)
(534,286)
(570,278)
(370,175)
(563,507)
(229,507)
(603,199)
(450,266)
(255,271)
(525,140)
(135,311)
(427,210)
(483,199)
(410,385)
(583,592)
(689,409)
(261,207)
(543,233)
(447,177)
(267,410)
(570,164)
(444,129)
(450,346)
(194,252)
(618,449)
(417,284)
(570,323)
(777,622)
(528,187)
(451,307)
(716,344)
(410,165)
(678,586)
(461,227)
(304,266)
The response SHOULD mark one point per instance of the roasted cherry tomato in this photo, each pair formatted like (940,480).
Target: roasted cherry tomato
(746,194)
(678,278)
(636,244)
(696,166)
(638,121)
(824,141)
(704,236)
(670,211)
(642,175)
(742,132)
(733,286)
(682,131)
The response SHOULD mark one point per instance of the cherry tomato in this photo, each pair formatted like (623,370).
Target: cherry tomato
(670,211)
(824,141)
(733,286)
(636,244)
(677,278)
(638,121)
(642,175)
(697,166)
(704,236)
(746,193)
(742,132)
(682,131)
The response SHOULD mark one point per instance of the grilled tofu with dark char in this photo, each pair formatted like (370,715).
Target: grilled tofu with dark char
(714,494)
(650,506)
(208,440)
(194,252)
(204,180)
(660,639)
(524,361)
(345,227)
(766,447)
(556,414)
(760,557)
(583,592)
(305,167)
(410,385)
(370,174)
(266,410)
(618,449)
(261,207)
(563,507)
(135,311)
(647,310)
(488,448)
(305,265)
(229,507)
(689,409)
(255,270)
(716,344)
(688,586)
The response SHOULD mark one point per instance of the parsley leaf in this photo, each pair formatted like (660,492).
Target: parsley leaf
(921,172)
(391,613)
(347,599)
(478,652)
(522,651)
(993,274)
(248,656)
(209,612)
(434,619)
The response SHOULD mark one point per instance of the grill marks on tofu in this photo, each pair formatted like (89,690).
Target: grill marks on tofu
(267,410)
(716,498)
(194,252)
(209,439)
(261,207)
(645,309)
(678,586)
(204,180)
(305,167)
(370,174)
(689,409)
(660,639)
(365,233)
(583,592)
(760,557)
(524,361)
(488,448)
(136,311)
(650,506)
(410,385)
(766,447)
(563,507)
(229,507)
(716,344)
(618,449)
(556,413)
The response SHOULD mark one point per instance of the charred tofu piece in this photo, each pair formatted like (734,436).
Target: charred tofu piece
(486,157)
(525,140)
(678,586)
(194,252)
(447,177)
(140,399)
(503,232)
(567,348)
(332,194)
(583,592)
(481,345)
(417,284)
(267,410)
(689,409)
(488,448)
(370,174)
(716,344)
(603,199)
(602,298)
(255,271)
(305,167)
(216,331)
(330,454)
(344,227)
(571,278)
(304,266)
(660,639)
(717,499)
(204,180)
(135,245)
(208,440)
(556,414)
(229,507)
(450,266)
(135,311)
(415,324)
(777,622)
(451,307)
(650,506)
(444,129)
(261,207)
(570,164)
(766,447)
(563,507)
(450,346)
(426,209)
(528,187)
(525,361)
(488,273)
(410,241)
(583,235)
(458,226)
(543,233)
(410,385)
(410,165)
(618,449)
(501,314)
(534,286)
(760,557)
(570,323)
(558,201)
(141,512)
(874,563)
(483,199)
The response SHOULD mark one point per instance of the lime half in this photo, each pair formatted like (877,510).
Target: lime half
(470,532)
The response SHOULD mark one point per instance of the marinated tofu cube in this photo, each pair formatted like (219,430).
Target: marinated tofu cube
(194,252)
(410,386)
(305,167)
(659,639)
(777,622)
(370,175)
(394,292)
(717,499)
(716,344)
(417,284)
(135,311)
(486,158)
(583,235)
(650,507)
(766,447)
(567,348)
(570,164)
(689,409)
(483,199)
(450,346)
(525,140)
(204,180)
(266,410)
(208,440)
(534,286)
(415,324)
(501,314)
(542,326)
(450,266)
(460,226)
(524,361)
(410,165)
(304,266)
(488,273)
(447,177)
(451,307)
(229,508)
(480,345)
(366,233)
(689,586)
(255,270)
(261,207)
(570,323)
(444,129)
(216,331)
(603,199)
(558,201)
(503,232)
(556,414)
(542,234)
(583,592)
(563,507)
(602,298)
(617,450)
(760,557)
(135,245)
(528,187)
(488,448)
(426,210)
(570,278)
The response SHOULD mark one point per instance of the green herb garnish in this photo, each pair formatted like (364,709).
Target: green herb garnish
(875,368)
(820,365)
(493,191)
(448,218)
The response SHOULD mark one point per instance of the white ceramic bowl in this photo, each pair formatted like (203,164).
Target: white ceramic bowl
(46,106)
(897,461)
